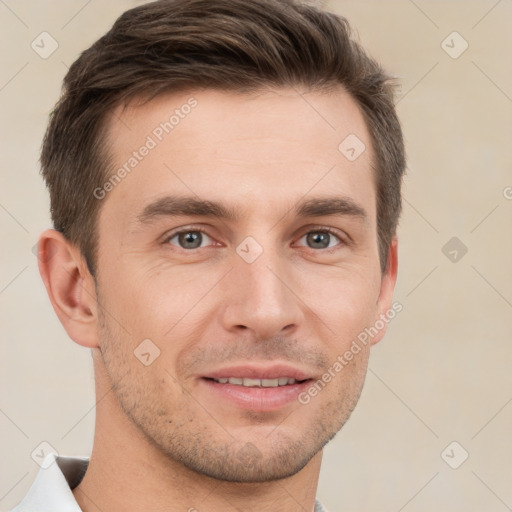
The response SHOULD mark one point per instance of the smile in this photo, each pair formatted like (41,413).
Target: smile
(257,383)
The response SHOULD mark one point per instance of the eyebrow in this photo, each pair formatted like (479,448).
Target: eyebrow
(331,206)
(175,206)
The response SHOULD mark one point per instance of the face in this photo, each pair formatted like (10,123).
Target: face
(238,259)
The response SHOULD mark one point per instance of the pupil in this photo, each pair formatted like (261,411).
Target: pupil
(318,240)
(190,240)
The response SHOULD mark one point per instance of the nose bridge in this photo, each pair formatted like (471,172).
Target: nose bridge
(264,280)
(260,297)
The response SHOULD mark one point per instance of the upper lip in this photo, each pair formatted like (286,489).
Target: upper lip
(259,371)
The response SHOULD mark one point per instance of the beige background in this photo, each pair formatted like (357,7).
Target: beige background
(442,374)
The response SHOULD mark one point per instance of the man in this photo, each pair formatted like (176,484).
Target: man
(225,189)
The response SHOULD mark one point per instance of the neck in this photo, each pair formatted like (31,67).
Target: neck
(128,473)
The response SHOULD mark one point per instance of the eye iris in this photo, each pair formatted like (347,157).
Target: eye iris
(318,240)
(190,240)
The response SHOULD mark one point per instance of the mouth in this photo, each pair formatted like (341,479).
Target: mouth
(257,383)
(256,388)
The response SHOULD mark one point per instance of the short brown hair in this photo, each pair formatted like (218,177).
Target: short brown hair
(172,45)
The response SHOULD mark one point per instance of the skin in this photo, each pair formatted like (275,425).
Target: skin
(164,439)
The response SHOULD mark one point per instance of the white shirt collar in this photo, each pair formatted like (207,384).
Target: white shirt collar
(52,487)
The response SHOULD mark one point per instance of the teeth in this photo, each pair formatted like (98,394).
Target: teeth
(260,383)
(250,383)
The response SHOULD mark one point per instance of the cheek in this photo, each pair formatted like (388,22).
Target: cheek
(151,302)
(137,367)
(172,308)
(346,299)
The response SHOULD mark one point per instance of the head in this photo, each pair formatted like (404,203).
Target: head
(225,190)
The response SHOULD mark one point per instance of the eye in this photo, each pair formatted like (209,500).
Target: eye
(320,239)
(189,239)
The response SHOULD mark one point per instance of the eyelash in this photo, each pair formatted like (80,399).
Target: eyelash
(342,240)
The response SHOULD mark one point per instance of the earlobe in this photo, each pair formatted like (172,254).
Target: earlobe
(385,308)
(70,287)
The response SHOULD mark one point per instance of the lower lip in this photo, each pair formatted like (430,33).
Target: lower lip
(256,398)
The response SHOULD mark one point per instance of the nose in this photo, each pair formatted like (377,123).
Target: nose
(260,297)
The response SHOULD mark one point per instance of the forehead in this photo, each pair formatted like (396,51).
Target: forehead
(259,149)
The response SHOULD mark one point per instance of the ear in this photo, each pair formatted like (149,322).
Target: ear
(70,286)
(386,310)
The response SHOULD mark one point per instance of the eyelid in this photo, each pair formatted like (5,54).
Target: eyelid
(341,235)
(186,229)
